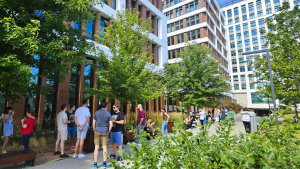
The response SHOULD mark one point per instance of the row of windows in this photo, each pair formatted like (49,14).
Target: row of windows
(245,25)
(246,34)
(179,11)
(251,7)
(190,21)
(173,53)
(247,42)
(240,51)
(244,86)
(170,3)
(191,35)
(252,15)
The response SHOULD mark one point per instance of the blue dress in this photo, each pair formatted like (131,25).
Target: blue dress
(8,127)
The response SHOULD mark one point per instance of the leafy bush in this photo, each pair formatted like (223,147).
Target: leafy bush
(267,148)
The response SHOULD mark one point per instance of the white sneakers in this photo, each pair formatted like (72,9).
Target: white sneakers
(75,156)
(79,156)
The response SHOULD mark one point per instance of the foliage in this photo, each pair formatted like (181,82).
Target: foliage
(232,105)
(35,36)
(283,39)
(197,78)
(127,75)
(267,148)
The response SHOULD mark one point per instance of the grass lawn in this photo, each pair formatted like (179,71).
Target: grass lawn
(288,117)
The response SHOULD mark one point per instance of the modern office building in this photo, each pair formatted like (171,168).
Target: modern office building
(244,20)
(73,89)
(201,21)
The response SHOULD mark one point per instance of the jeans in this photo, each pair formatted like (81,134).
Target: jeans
(204,121)
(139,128)
(223,118)
(247,126)
(71,130)
(164,128)
(25,140)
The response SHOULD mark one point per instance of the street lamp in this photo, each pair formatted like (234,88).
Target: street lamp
(271,80)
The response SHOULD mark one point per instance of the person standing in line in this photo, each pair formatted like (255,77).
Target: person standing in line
(231,115)
(62,131)
(27,128)
(226,111)
(223,114)
(102,125)
(82,116)
(246,120)
(202,117)
(8,126)
(166,118)
(140,122)
(217,116)
(71,125)
(116,135)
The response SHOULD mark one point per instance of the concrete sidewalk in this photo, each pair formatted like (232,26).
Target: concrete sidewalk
(88,161)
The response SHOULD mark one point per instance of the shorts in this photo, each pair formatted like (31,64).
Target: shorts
(71,130)
(97,137)
(62,134)
(81,134)
(231,119)
(116,138)
(217,118)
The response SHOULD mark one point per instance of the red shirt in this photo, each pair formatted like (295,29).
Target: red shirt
(141,114)
(30,122)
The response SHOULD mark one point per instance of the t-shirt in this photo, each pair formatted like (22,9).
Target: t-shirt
(102,118)
(30,122)
(141,114)
(226,112)
(202,115)
(60,122)
(231,114)
(81,114)
(245,117)
(223,112)
(71,118)
(165,117)
(117,117)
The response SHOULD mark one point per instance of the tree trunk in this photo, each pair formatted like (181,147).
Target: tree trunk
(296,112)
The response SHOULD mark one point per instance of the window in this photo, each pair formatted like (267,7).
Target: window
(171,2)
(171,14)
(269,11)
(267,2)
(254,41)
(241,60)
(254,32)
(261,21)
(181,24)
(167,15)
(182,38)
(276,1)
(231,37)
(259,13)
(237,20)
(260,84)
(176,2)
(172,40)
(252,15)
(251,77)
(187,8)
(196,5)
(188,36)
(177,12)
(258,4)
(243,78)
(238,35)
(178,39)
(244,86)
(245,26)
(181,11)
(250,68)
(193,34)
(253,24)
(249,59)
(233,61)
(235,78)
(236,87)
(263,39)
(198,33)
(172,27)
(163,4)
(270,18)
(232,45)
(229,14)
(242,68)
(230,29)
(229,21)
(177,25)
(89,29)
(173,54)
(248,49)
(187,22)
(247,42)
(239,43)
(252,86)
(246,34)
(197,19)
(192,6)
(296,2)
(256,48)
(263,47)
(237,27)
(233,53)
(244,9)
(262,29)
(234,69)
(169,41)
(236,11)
(169,54)
(277,8)
(192,20)
(251,6)
(244,17)
(240,51)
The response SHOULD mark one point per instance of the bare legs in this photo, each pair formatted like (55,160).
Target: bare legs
(81,145)
(62,146)
(114,147)
(6,139)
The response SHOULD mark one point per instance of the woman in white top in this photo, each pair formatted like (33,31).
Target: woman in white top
(246,120)
(202,117)
(217,116)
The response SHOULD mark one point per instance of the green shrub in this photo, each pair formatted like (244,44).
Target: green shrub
(267,148)
(287,111)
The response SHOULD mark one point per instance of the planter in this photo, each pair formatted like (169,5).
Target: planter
(130,136)
(170,127)
(89,145)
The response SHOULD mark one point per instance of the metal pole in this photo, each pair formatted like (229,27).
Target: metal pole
(272,89)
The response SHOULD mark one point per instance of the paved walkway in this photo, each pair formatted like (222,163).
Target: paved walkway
(87,162)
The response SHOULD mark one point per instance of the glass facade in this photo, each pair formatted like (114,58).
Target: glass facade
(260,99)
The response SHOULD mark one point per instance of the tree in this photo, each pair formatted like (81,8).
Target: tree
(37,34)
(283,40)
(234,106)
(127,75)
(197,78)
